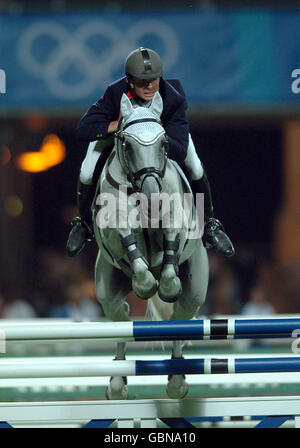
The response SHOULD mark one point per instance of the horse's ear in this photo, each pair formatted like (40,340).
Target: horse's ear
(126,107)
(157,104)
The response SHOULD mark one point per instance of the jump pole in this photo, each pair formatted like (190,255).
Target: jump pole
(230,328)
(83,368)
(149,409)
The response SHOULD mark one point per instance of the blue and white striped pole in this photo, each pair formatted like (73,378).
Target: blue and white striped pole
(84,368)
(218,365)
(230,328)
(215,329)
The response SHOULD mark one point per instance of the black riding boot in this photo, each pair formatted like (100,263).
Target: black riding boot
(81,231)
(214,235)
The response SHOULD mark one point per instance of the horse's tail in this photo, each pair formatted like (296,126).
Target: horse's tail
(158,310)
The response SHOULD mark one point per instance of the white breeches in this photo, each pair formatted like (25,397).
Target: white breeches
(90,161)
(89,164)
(192,161)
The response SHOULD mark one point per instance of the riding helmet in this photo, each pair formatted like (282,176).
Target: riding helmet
(143,63)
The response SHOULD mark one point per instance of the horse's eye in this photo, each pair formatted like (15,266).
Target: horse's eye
(165,145)
(128,146)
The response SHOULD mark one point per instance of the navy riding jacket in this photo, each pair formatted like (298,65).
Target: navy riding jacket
(94,123)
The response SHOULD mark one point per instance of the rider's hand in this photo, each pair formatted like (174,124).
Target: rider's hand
(113,125)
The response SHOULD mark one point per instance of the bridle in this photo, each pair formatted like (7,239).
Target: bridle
(133,177)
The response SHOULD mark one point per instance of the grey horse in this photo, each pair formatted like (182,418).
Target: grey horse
(142,225)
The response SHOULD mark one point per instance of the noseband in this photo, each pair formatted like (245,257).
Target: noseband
(133,177)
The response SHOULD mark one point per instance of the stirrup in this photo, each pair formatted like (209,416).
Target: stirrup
(216,224)
(212,224)
(80,221)
(213,230)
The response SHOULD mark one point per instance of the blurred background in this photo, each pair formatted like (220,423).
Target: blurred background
(239,63)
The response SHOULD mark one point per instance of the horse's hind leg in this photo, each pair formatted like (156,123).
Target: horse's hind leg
(112,287)
(117,388)
(177,387)
(194,276)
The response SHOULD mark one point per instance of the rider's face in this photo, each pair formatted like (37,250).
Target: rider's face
(145,88)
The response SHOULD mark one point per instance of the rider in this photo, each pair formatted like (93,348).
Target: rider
(143,69)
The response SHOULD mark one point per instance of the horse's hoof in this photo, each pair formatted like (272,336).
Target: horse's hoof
(170,290)
(165,296)
(145,292)
(177,387)
(167,299)
(117,389)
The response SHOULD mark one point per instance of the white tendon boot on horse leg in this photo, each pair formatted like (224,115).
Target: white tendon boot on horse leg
(177,387)
(117,389)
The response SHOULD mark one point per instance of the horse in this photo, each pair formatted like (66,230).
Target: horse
(163,263)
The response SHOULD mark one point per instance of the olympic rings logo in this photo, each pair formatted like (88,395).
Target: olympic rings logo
(2,81)
(73,49)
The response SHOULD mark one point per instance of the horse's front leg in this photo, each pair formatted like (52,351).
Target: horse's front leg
(143,282)
(170,285)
